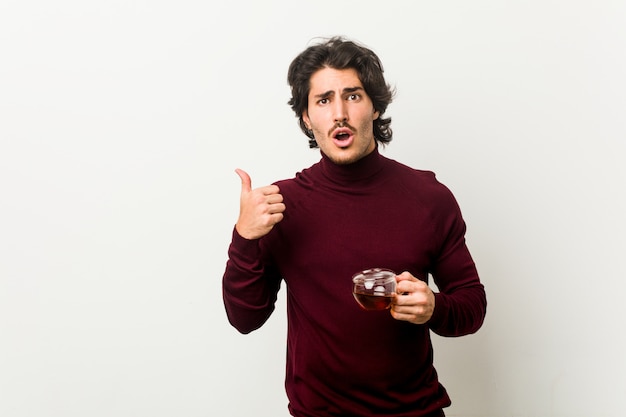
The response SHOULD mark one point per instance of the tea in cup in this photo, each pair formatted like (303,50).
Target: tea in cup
(374,288)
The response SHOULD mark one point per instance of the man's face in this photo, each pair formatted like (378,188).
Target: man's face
(341,115)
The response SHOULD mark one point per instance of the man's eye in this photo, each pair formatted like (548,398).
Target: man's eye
(353,97)
(323,101)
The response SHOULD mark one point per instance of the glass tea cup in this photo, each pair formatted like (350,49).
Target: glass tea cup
(373,288)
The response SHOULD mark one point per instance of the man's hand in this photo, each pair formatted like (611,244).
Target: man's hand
(414,301)
(259,210)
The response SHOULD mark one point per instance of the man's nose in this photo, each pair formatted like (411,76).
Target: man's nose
(341,112)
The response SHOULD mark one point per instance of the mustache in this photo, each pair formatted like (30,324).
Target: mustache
(341,124)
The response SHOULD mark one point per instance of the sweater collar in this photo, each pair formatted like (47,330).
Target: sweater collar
(363,169)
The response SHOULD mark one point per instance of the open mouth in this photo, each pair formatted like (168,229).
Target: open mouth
(342,134)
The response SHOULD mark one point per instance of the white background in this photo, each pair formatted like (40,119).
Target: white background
(121,124)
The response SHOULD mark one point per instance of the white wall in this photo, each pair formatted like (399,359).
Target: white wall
(121,124)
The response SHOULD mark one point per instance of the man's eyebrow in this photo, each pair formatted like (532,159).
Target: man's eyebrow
(348,90)
(324,95)
(330,93)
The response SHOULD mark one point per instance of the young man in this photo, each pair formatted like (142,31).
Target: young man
(353,210)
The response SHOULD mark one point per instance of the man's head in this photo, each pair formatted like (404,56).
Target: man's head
(340,54)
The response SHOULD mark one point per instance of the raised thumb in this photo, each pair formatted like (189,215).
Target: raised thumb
(246,182)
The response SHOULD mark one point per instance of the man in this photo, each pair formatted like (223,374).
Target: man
(353,210)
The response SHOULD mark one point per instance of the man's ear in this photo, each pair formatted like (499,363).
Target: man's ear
(305,118)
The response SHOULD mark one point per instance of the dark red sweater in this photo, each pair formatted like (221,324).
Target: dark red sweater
(342,360)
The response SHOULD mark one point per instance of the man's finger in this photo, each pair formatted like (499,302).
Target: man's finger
(406,276)
(246,182)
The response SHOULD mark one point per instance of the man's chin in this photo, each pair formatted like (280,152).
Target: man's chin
(343,157)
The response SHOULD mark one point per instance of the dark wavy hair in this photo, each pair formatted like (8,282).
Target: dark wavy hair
(339,53)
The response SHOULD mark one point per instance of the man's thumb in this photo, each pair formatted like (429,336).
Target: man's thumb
(246,182)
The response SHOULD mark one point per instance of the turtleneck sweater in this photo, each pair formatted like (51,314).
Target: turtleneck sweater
(341,219)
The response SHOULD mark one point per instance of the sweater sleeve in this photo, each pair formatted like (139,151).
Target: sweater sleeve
(461,303)
(249,286)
